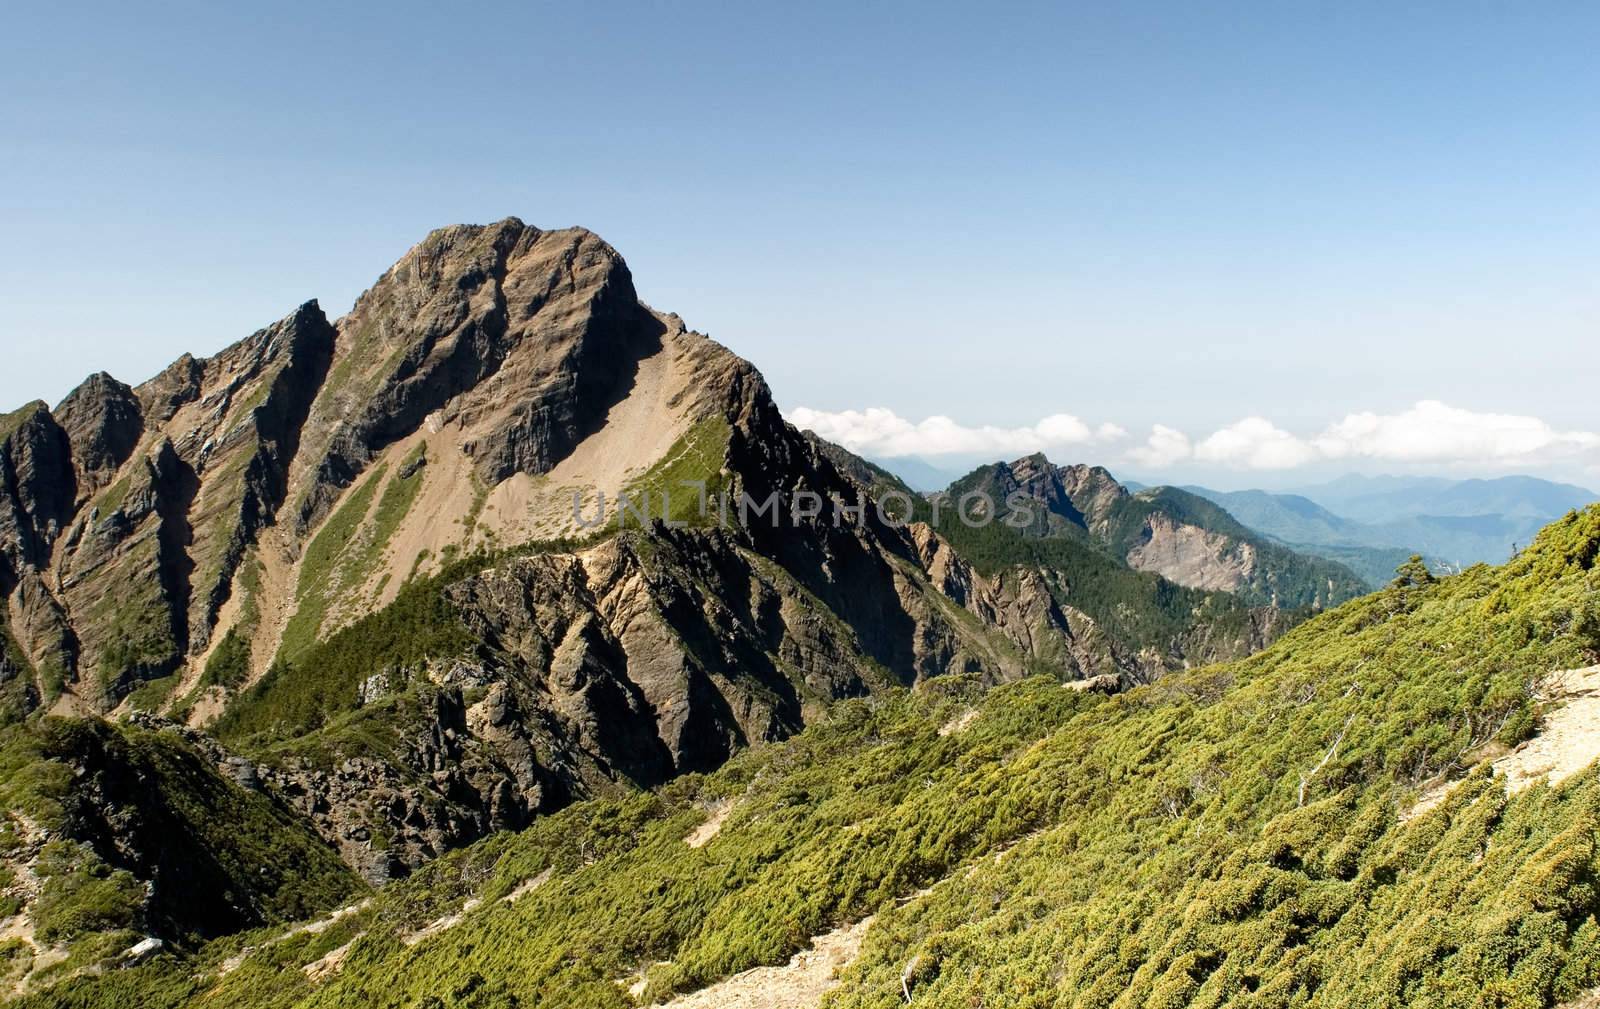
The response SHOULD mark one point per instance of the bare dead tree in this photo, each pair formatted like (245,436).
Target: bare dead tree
(906,975)
(1305,779)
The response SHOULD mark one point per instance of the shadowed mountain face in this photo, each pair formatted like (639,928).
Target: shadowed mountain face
(345,557)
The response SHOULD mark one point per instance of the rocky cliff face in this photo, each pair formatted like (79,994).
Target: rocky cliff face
(37,488)
(1192,555)
(221,543)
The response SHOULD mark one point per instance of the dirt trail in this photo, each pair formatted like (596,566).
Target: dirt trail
(800,984)
(702,835)
(27,884)
(315,927)
(1568,741)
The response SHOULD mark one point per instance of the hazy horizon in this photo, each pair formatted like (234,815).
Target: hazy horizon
(1299,482)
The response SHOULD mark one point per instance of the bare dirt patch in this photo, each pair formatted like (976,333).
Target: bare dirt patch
(799,984)
(433,928)
(329,963)
(959,723)
(639,430)
(527,886)
(1568,741)
(702,835)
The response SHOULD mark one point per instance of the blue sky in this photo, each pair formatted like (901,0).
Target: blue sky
(1145,215)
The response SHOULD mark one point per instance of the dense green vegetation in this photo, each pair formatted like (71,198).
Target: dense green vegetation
(229,665)
(1229,835)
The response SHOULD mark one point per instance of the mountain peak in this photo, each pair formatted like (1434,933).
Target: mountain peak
(16,418)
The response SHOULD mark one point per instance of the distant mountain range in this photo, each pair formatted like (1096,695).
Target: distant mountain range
(919,474)
(1370,524)
(1383,498)
(1373,523)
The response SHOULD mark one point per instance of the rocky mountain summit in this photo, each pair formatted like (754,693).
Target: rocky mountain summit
(343,564)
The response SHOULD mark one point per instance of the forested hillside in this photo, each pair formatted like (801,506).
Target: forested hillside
(1318,824)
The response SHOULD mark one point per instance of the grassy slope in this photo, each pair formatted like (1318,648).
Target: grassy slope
(344,553)
(662,491)
(16,689)
(1162,856)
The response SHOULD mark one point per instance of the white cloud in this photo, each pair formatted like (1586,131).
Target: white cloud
(1255,443)
(878,432)
(1427,434)
(1433,432)
(1164,447)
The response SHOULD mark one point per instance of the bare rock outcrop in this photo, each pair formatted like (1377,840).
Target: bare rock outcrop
(104,422)
(524,338)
